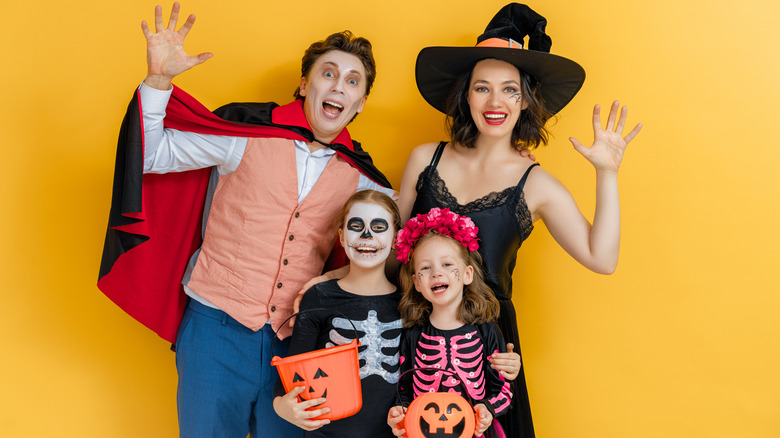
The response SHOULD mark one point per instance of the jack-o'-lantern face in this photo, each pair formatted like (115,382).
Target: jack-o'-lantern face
(319,380)
(440,415)
(450,423)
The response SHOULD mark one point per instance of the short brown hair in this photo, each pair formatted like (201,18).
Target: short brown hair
(479,304)
(528,133)
(346,42)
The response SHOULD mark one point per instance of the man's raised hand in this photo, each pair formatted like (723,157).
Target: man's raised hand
(165,55)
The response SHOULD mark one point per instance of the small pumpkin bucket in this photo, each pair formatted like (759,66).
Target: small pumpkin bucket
(333,373)
(439,414)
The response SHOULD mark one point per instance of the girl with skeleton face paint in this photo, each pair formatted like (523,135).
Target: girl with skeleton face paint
(367,235)
(367,228)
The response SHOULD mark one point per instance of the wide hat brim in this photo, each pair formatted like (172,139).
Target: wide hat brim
(437,69)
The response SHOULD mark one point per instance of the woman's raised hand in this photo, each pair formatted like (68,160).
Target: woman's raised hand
(606,153)
(165,55)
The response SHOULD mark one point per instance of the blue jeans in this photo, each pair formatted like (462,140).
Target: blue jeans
(226,381)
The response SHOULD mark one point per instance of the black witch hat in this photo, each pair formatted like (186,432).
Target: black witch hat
(560,78)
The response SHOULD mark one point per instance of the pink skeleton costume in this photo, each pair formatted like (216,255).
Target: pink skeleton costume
(464,351)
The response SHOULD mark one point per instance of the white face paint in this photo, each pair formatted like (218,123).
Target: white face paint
(367,235)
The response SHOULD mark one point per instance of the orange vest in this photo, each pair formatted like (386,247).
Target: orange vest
(260,245)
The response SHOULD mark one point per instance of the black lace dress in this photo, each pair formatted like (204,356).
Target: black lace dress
(504,222)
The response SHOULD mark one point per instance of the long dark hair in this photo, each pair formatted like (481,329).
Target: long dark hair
(528,133)
(479,304)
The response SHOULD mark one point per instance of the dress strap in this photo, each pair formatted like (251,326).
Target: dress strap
(437,154)
(521,184)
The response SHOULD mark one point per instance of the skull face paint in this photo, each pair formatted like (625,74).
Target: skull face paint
(367,235)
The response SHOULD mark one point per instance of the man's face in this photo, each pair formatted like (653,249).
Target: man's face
(335,90)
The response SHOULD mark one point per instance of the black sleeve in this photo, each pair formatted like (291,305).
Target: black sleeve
(308,324)
(305,331)
(409,338)
(498,395)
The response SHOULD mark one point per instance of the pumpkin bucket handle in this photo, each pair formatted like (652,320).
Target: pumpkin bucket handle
(314,309)
(460,381)
(462,428)
(338,366)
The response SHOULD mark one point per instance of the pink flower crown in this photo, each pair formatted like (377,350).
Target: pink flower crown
(440,220)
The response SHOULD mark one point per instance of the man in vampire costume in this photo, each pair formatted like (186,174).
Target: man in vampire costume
(273,178)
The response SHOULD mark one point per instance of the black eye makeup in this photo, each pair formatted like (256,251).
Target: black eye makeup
(355,224)
(379,225)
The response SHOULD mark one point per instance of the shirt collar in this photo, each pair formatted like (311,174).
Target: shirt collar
(292,115)
(324,152)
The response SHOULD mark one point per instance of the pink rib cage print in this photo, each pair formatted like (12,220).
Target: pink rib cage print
(463,356)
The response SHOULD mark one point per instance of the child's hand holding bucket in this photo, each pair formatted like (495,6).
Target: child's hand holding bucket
(298,413)
(483,419)
(395,419)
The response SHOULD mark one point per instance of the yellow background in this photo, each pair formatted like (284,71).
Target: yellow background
(683,341)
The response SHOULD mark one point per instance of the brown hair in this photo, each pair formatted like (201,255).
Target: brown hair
(346,42)
(479,304)
(371,197)
(528,133)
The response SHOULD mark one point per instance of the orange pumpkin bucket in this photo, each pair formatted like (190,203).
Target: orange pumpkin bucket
(439,414)
(332,373)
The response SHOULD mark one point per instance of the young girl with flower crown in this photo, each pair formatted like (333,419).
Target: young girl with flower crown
(448,313)
(366,227)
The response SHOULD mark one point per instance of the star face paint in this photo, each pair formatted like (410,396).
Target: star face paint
(438,267)
(367,235)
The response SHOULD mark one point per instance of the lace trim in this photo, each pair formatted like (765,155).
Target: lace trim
(523,216)
(438,189)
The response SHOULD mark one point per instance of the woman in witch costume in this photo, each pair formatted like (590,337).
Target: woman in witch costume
(498,97)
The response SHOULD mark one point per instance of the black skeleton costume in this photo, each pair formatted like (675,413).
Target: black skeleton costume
(378,326)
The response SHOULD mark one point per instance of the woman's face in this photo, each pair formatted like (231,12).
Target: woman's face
(495,97)
(367,235)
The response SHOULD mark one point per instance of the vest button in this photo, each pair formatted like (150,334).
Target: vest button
(297,214)
(284,262)
(278,285)
(292,237)
(273,308)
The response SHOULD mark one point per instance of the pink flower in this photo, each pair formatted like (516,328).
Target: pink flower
(441,220)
